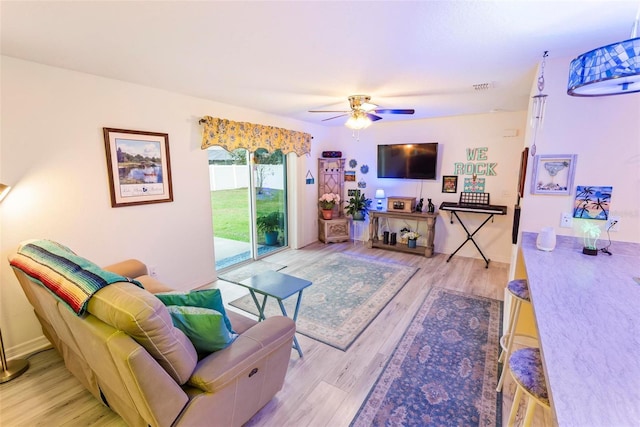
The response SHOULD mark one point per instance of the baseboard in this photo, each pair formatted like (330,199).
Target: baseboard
(25,349)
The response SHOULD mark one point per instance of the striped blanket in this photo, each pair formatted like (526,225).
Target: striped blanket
(72,279)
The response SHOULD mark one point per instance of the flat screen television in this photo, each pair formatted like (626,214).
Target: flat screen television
(408,161)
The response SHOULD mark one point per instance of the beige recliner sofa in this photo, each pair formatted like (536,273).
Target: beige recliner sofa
(126,351)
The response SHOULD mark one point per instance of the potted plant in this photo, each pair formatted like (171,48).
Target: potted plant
(411,237)
(270,224)
(358,207)
(326,202)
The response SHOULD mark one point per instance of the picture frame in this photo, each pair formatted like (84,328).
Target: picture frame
(138,167)
(474,185)
(522,175)
(592,202)
(450,183)
(553,174)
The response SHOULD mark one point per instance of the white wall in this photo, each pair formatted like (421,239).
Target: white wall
(454,135)
(52,152)
(605,134)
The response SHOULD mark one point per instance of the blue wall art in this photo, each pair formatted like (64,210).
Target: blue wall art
(592,202)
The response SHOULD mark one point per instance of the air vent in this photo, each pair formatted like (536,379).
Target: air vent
(483,86)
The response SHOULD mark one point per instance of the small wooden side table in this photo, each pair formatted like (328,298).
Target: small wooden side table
(333,230)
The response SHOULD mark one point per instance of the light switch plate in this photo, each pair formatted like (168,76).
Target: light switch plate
(566,220)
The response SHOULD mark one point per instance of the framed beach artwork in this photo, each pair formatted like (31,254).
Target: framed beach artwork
(138,167)
(592,202)
(553,174)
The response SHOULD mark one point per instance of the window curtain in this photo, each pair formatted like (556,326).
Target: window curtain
(231,135)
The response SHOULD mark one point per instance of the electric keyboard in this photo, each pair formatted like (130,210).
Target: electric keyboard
(472,207)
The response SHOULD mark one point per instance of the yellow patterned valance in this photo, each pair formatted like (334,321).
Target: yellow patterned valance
(231,135)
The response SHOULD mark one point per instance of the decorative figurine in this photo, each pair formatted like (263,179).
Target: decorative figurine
(419,205)
(431,208)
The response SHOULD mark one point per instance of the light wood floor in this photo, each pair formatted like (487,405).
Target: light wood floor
(324,388)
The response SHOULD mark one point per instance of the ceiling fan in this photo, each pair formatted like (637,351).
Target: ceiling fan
(362,112)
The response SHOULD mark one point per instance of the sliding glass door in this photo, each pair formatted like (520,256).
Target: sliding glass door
(249,204)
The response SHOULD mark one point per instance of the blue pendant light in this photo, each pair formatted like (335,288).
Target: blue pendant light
(608,70)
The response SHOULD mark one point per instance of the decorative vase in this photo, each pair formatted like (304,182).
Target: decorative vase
(393,239)
(327,213)
(385,237)
(358,216)
(412,243)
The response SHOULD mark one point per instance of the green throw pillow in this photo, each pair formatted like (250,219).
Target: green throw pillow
(205,298)
(205,327)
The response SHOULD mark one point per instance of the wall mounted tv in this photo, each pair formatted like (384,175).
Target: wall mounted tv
(408,161)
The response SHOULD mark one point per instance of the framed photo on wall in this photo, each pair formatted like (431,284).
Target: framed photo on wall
(524,158)
(138,166)
(450,183)
(553,174)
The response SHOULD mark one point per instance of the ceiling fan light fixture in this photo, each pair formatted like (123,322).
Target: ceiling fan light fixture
(358,120)
(361,102)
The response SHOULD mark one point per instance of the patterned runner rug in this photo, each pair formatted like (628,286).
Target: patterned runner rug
(347,293)
(444,371)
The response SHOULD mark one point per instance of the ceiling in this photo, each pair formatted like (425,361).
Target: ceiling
(286,58)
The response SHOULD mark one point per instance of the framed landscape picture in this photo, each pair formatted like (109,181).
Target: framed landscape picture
(450,184)
(138,167)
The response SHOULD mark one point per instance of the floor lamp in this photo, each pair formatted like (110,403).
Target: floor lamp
(13,368)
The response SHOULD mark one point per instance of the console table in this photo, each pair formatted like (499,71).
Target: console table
(428,234)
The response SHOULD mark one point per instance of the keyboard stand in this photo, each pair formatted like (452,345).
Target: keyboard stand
(489,210)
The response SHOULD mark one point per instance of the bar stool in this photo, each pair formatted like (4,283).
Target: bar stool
(526,369)
(519,292)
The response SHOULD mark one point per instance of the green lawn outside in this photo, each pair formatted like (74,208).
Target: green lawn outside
(231,211)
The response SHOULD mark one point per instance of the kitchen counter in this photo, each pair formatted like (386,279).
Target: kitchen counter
(587,311)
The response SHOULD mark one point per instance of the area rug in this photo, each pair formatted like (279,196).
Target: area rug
(347,293)
(248,270)
(444,371)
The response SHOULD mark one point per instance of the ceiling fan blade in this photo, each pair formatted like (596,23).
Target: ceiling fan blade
(329,111)
(394,111)
(373,117)
(335,117)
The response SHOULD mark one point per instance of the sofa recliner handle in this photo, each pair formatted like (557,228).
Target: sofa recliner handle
(253,372)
